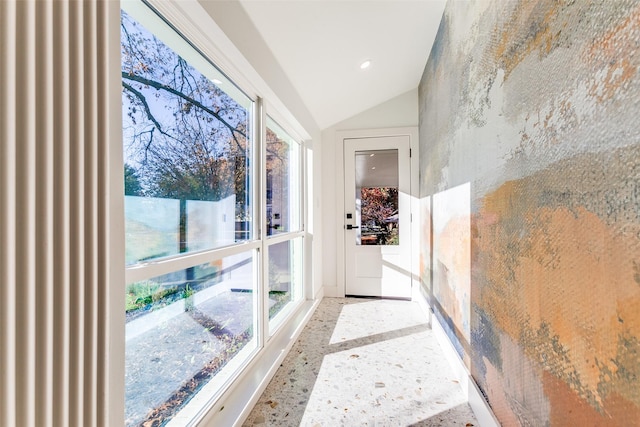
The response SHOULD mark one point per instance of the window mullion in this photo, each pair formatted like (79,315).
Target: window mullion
(261,174)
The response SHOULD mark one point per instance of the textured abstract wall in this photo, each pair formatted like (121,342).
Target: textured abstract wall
(532,108)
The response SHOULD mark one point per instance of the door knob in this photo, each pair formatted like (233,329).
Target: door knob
(351,227)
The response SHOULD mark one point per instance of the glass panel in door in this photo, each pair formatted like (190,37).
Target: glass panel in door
(377,197)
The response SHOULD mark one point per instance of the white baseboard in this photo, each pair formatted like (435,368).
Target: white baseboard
(476,400)
(422,302)
(332,292)
(479,405)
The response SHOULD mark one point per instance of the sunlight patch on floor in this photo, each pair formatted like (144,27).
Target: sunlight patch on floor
(367,317)
(366,363)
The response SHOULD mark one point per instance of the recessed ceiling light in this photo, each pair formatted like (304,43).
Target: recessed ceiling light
(372,154)
(373,168)
(366,64)
(216,82)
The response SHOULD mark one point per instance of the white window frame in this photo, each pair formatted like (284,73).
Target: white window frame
(289,309)
(190,20)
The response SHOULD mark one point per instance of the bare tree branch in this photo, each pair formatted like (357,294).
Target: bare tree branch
(145,105)
(150,115)
(160,86)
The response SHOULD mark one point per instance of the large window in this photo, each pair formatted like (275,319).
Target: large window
(192,288)
(283,211)
(186,146)
(198,270)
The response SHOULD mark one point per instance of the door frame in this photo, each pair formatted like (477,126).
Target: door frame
(412,133)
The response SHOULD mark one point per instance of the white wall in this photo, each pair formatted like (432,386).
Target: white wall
(401,111)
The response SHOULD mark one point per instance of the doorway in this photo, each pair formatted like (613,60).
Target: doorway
(377,217)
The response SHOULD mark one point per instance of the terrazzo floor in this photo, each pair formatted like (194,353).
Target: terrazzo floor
(364,362)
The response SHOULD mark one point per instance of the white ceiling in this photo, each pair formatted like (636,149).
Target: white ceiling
(320,45)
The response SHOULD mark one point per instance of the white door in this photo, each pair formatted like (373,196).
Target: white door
(377,217)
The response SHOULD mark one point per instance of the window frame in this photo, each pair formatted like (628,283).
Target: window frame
(235,68)
(296,162)
(275,324)
(153,18)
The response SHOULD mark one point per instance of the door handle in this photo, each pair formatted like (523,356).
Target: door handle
(351,227)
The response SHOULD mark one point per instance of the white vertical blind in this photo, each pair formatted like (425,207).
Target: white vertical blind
(61,271)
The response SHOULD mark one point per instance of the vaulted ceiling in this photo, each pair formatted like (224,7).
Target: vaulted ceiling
(320,45)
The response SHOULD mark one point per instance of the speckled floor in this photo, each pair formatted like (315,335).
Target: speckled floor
(364,362)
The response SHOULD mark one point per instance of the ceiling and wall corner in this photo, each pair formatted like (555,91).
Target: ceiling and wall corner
(321,44)
(236,24)
(401,111)
(311,50)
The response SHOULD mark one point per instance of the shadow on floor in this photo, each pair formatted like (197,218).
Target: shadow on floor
(455,416)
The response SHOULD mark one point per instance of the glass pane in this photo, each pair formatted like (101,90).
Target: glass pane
(283,181)
(377,197)
(285,274)
(186,148)
(152,228)
(182,329)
